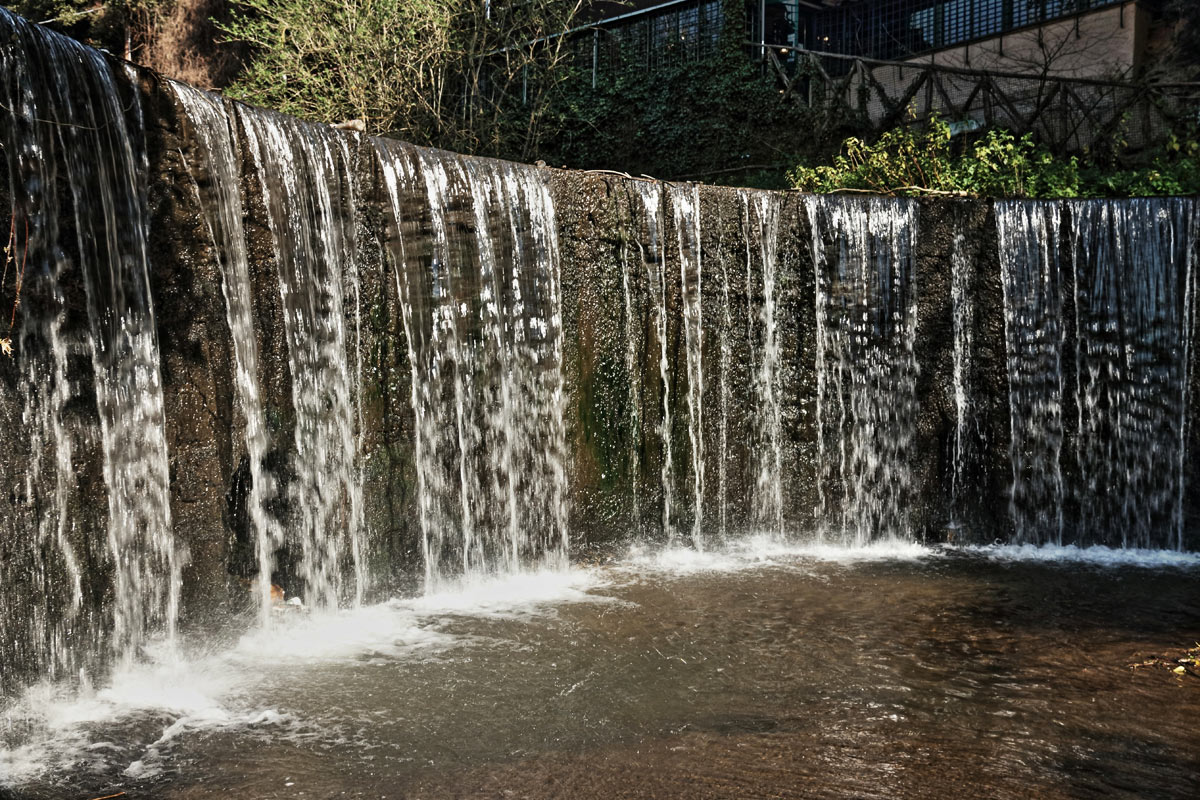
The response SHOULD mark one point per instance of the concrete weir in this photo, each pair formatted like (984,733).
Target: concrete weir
(253,350)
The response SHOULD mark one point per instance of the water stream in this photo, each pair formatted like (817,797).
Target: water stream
(873,370)
(310,203)
(1124,303)
(656,273)
(223,214)
(482,317)
(962,301)
(686,203)
(768,469)
(866,364)
(104,247)
(1133,266)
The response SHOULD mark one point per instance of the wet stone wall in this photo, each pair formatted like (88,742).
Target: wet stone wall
(383,367)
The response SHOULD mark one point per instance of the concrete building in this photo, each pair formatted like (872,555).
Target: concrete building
(1064,38)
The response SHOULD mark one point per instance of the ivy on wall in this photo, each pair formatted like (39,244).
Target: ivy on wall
(718,118)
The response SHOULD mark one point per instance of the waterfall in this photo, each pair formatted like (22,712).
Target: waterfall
(653,256)
(962,304)
(1132,272)
(628,276)
(306,189)
(222,207)
(1087,405)
(866,364)
(49,562)
(686,204)
(768,424)
(67,101)
(1133,276)
(482,315)
(1034,335)
(725,387)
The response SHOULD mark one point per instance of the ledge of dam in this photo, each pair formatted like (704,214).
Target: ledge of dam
(246,342)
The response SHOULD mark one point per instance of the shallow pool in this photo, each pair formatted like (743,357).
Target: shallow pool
(761,672)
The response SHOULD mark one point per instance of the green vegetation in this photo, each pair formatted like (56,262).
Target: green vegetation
(496,79)
(717,117)
(905,161)
(469,76)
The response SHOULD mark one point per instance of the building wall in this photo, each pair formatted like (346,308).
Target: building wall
(1107,43)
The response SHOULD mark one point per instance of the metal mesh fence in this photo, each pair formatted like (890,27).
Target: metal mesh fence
(686,32)
(1067,114)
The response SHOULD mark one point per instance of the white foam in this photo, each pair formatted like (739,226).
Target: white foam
(518,595)
(759,551)
(56,722)
(58,728)
(382,630)
(886,550)
(1097,555)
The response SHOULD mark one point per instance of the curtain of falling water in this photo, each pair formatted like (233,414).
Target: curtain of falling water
(1132,262)
(629,277)
(726,388)
(451,316)
(521,344)
(44,345)
(866,364)
(308,195)
(222,205)
(416,307)
(685,200)
(67,102)
(1034,335)
(962,304)
(767,505)
(653,256)
(1132,267)
(482,315)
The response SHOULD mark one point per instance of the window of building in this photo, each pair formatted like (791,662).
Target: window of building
(891,29)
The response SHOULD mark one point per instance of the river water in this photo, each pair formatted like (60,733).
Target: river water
(753,672)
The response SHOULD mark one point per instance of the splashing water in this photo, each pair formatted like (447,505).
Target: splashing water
(310,203)
(482,317)
(686,204)
(866,364)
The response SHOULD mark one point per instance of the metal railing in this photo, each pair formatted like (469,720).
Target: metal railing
(1066,114)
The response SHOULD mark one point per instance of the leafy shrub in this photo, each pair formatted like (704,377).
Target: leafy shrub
(904,161)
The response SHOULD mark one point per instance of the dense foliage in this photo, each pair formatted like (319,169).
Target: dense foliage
(716,117)
(905,161)
(495,78)
(460,74)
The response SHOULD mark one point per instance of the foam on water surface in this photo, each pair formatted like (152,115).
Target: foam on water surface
(518,594)
(51,729)
(765,550)
(58,728)
(1096,555)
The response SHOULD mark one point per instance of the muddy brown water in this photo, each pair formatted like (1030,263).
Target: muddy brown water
(944,676)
